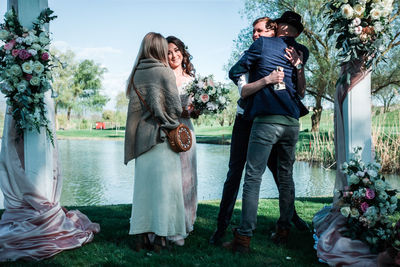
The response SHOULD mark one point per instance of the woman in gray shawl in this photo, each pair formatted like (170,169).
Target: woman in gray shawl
(158,205)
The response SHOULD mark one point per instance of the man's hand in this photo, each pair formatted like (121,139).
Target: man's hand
(294,57)
(274,77)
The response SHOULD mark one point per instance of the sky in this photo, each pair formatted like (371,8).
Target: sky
(110,32)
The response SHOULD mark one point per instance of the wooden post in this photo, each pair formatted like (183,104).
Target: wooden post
(38,151)
(357,119)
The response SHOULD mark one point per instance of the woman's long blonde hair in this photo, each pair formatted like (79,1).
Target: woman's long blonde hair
(153,45)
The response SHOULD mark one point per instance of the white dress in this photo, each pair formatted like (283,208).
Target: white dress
(157,196)
(189,170)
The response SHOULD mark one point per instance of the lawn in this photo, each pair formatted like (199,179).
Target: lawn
(113,246)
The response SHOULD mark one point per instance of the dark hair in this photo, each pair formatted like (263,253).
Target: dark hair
(187,66)
(270,24)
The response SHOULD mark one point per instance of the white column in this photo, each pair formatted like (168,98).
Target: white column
(357,119)
(38,151)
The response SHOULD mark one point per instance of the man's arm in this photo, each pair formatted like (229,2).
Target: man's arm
(245,63)
(247,89)
(296,59)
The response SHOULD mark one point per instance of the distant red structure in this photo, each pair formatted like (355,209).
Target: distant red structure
(100,125)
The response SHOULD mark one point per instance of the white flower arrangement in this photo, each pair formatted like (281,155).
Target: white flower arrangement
(208,97)
(359,28)
(367,202)
(25,70)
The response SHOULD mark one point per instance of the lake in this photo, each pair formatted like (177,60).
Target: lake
(94,174)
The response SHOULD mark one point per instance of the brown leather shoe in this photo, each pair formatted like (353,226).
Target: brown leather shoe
(142,242)
(281,236)
(240,243)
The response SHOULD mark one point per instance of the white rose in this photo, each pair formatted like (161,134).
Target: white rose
(4,34)
(353,179)
(347,11)
(359,10)
(16,70)
(222,99)
(33,52)
(378,27)
(354,213)
(38,67)
(375,14)
(35,81)
(22,86)
(372,173)
(27,67)
(28,40)
(44,40)
(345,211)
(358,30)
(356,22)
(19,40)
(37,47)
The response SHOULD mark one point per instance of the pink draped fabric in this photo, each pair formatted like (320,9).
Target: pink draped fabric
(33,227)
(336,249)
(332,247)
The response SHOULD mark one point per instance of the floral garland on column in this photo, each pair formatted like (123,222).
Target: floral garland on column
(25,71)
(360,27)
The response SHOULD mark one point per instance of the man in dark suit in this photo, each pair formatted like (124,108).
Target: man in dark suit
(275,111)
(266,27)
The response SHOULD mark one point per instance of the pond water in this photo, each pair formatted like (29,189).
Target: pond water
(94,174)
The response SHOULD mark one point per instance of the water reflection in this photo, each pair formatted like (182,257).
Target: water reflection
(94,174)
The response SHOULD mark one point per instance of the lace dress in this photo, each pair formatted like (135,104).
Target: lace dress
(189,170)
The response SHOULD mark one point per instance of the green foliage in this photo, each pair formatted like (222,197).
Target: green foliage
(108,115)
(78,84)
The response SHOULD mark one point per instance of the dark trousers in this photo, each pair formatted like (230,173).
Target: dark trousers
(237,160)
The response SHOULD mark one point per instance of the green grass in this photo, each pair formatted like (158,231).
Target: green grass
(90,134)
(113,246)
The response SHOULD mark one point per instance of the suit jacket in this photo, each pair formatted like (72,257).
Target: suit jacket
(263,57)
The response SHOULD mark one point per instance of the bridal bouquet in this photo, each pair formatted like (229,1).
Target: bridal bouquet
(367,203)
(360,26)
(207,96)
(25,70)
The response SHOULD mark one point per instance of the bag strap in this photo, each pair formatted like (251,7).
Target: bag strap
(145,104)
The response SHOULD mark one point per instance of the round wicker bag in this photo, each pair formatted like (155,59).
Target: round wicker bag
(180,138)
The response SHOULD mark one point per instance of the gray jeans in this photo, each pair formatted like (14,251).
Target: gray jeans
(263,136)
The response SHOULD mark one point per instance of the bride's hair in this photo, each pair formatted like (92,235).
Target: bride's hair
(153,45)
(187,66)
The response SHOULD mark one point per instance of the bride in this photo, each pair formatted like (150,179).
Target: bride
(179,61)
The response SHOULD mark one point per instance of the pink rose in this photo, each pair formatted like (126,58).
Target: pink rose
(23,54)
(9,45)
(364,206)
(204,98)
(28,77)
(14,52)
(45,56)
(370,194)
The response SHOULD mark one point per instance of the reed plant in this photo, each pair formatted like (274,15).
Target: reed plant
(317,147)
(386,140)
